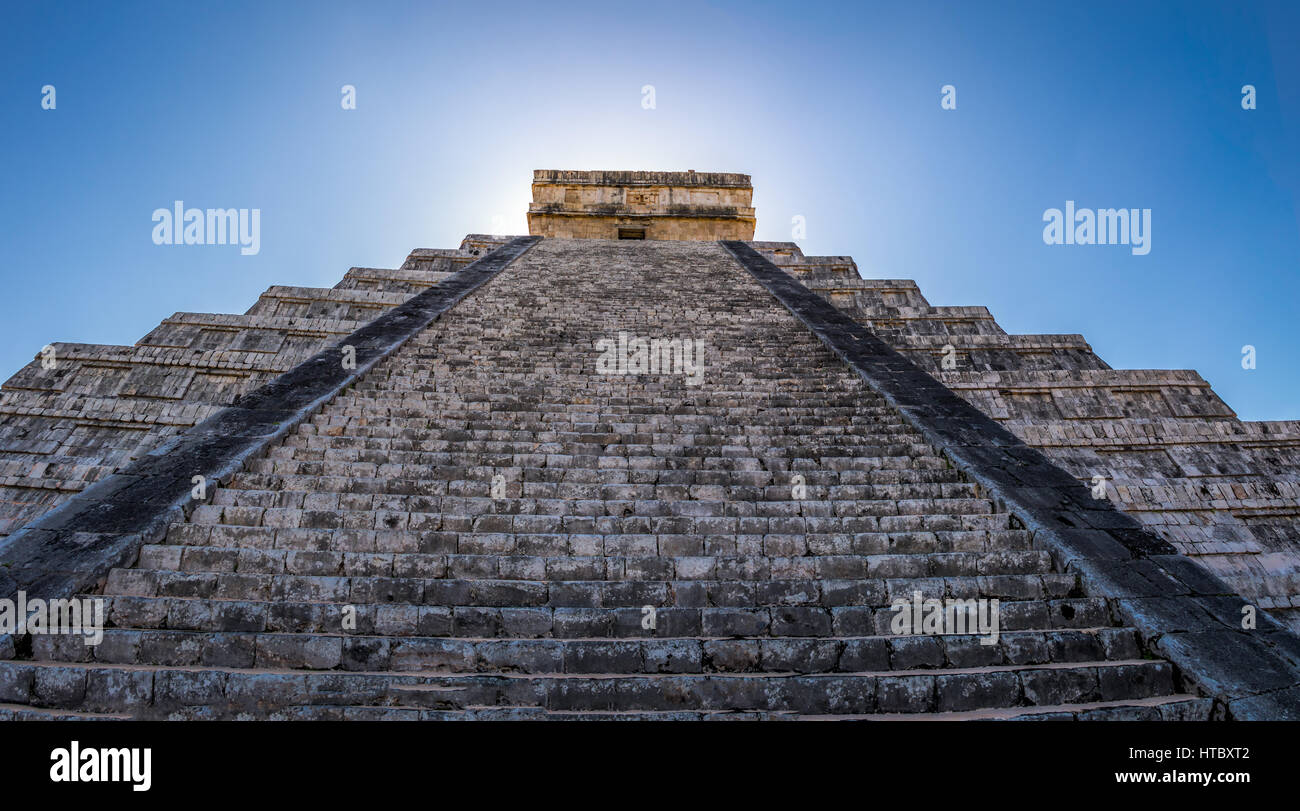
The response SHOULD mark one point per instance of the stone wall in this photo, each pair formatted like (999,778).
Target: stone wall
(641,205)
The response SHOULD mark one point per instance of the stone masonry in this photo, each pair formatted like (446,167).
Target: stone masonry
(99,407)
(477,524)
(1223,491)
(641,205)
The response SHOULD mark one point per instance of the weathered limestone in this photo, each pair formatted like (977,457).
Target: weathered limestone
(475,523)
(99,407)
(641,205)
(1172,453)
(501,520)
(1223,645)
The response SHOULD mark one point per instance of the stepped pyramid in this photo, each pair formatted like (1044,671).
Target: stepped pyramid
(426,498)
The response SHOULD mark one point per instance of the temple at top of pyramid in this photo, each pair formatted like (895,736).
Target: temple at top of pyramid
(686,205)
(440,451)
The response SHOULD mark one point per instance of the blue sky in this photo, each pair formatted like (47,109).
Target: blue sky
(833,108)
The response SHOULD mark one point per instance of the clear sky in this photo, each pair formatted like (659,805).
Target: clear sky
(833,108)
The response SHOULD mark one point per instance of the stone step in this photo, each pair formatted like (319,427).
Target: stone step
(820,501)
(630,517)
(586,535)
(404,619)
(24,712)
(327,712)
(525,467)
(516,482)
(1179,707)
(709,424)
(561,497)
(623,516)
(433,456)
(673,535)
(537,714)
(663,566)
(585,655)
(798,593)
(1176,707)
(154,691)
(540,463)
(705,423)
(774,459)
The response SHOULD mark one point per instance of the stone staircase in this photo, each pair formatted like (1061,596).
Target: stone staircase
(484,527)
(1223,491)
(68,424)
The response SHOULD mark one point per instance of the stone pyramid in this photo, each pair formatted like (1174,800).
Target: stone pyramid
(420,495)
